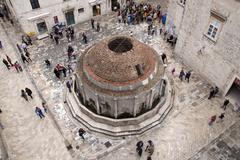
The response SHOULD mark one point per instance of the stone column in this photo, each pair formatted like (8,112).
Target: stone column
(151,98)
(115,107)
(97,103)
(83,93)
(135,106)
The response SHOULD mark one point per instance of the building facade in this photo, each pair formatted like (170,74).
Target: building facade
(38,16)
(208,40)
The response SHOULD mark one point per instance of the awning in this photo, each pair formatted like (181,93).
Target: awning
(94,2)
(39,16)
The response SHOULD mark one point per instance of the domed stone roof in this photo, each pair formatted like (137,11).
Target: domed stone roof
(119,60)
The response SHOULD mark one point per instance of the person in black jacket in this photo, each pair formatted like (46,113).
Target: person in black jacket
(29,92)
(6,63)
(24,59)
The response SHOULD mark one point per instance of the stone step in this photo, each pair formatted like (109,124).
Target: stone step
(116,131)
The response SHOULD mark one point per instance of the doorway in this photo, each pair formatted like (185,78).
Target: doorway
(70,17)
(55,18)
(234,92)
(115,5)
(42,27)
(97,10)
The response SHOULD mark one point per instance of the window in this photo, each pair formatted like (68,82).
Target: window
(213,29)
(42,27)
(80,10)
(182,2)
(35,4)
(214,26)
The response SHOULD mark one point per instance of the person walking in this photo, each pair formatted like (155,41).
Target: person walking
(221,117)
(150,148)
(27,54)
(173,71)
(29,40)
(164,57)
(44,106)
(160,30)
(24,46)
(17,67)
(188,75)
(70,51)
(211,94)
(19,48)
(56,38)
(69,68)
(216,90)
(68,36)
(181,75)
(64,70)
(69,86)
(39,112)
(98,26)
(6,63)
(84,37)
(48,63)
(92,23)
(212,119)
(51,34)
(57,73)
(71,81)
(24,95)
(165,35)
(24,59)
(81,132)
(149,158)
(29,92)
(225,103)
(9,60)
(139,148)
(153,31)
(71,32)
(24,39)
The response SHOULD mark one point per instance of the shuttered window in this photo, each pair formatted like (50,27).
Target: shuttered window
(34,4)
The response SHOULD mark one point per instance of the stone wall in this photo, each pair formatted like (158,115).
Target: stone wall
(217,61)
(25,14)
(110,106)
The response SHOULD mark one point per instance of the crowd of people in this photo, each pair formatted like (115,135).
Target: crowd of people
(57,33)
(134,13)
